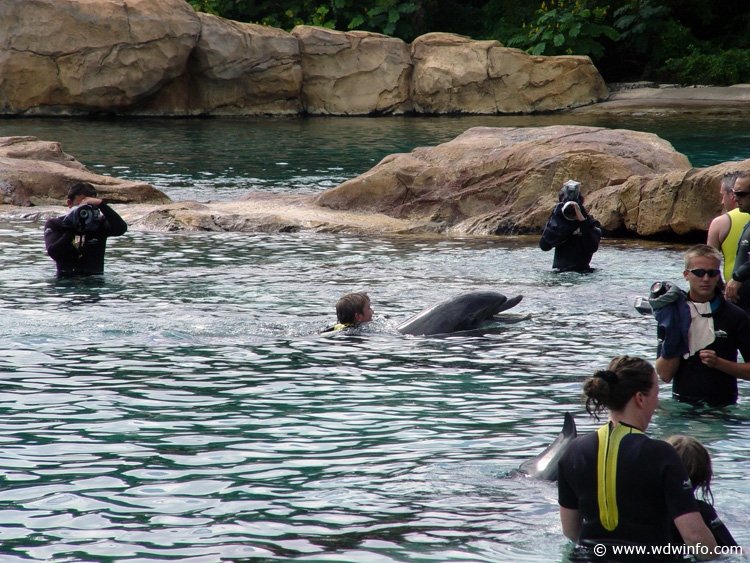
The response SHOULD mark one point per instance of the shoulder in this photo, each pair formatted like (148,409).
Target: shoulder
(54,222)
(732,312)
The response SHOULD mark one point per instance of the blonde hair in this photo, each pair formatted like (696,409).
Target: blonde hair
(697,461)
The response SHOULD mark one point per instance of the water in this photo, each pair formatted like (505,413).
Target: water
(206,159)
(185,408)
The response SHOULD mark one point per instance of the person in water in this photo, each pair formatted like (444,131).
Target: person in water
(571,232)
(77,241)
(701,334)
(697,462)
(617,486)
(738,291)
(353,309)
(725,230)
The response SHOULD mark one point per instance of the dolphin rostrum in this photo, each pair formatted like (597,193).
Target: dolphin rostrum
(544,466)
(464,312)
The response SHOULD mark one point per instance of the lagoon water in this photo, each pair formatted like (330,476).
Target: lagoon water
(184,408)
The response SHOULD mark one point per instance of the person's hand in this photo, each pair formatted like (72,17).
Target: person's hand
(92,201)
(708,357)
(579,215)
(732,290)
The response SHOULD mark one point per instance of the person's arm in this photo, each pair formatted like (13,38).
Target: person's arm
(695,533)
(571,521)
(735,369)
(718,231)
(116,226)
(666,368)
(57,239)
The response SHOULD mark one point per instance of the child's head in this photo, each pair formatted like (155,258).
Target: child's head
(697,461)
(354,308)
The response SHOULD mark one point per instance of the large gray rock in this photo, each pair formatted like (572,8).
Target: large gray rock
(354,73)
(78,56)
(502,180)
(455,74)
(34,172)
(236,69)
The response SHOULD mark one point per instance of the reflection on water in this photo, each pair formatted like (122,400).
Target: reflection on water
(183,407)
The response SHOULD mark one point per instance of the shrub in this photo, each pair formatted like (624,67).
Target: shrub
(720,69)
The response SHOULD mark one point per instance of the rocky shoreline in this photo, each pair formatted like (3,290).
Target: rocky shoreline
(486,181)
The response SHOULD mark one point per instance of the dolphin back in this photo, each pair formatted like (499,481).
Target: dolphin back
(544,466)
(464,312)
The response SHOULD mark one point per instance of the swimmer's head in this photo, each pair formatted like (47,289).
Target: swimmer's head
(697,461)
(354,308)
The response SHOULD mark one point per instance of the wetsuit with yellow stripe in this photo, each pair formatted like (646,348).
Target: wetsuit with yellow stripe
(627,487)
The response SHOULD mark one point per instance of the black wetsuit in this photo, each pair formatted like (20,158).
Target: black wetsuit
(82,255)
(741,271)
(695,382)
(652,489)
(714,523)
(575,242)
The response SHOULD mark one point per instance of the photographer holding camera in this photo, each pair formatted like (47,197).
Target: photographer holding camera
(571,232)
(77,241)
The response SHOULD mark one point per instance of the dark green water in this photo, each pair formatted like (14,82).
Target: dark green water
(185,409)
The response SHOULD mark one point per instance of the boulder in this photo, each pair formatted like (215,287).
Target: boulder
(455,74)
(81,56)
(506,180)
(679,202)
(236,69)
(354,73)
(34,172)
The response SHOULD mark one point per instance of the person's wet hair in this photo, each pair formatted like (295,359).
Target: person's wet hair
(349,305)
(612,388)
(81,188)
(697,461)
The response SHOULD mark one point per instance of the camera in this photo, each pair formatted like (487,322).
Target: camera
(569,210)
(659,288)
(82,218)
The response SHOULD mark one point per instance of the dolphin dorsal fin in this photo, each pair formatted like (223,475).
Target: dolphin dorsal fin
(569,426)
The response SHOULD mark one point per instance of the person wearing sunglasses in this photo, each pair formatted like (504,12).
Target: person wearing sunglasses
(716,331)
(737,290)
(725,230)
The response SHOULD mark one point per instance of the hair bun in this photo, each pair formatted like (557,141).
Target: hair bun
(607,375)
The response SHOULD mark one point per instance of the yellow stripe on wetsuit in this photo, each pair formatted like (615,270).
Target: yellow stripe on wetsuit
(343,325)
(606,471)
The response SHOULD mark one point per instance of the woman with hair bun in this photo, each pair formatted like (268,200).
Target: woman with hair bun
(616,486)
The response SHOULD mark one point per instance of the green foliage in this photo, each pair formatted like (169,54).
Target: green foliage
(721,69)
(566,27)
(381,16)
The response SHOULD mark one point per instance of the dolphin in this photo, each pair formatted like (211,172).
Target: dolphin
(544,466)
(464,312)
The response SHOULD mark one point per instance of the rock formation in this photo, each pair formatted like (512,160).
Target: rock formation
(68,56)
(453,74)
(353,73)
(486,181)
(236,69)
(505,180)
(34,172)
(158,57)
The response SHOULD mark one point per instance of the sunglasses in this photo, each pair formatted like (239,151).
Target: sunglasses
(700,272)
(738,193)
